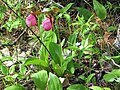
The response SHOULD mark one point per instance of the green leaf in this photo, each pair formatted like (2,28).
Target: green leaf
(107,57)
(66,62)
(6,58)
(54,37)
(65,9)
(71,67)
(18,6)
(116,72)
(86,43)
(109,77)
(40,19)
(40,79)
(68,18)
(57,69)
(76,87)
(12,69)
(43,54)
(59,16)
(73,48)
(34,60)
(17,87)
(9,78)
(72,39)
(56,53)
(99,9)
(2,9)
(49,37)
(105,88)
(89,78)
(84,12)
(22,21)
(1,16)
(43,64)
(82,77)
(96,88)
(4,70)
(111,28)
(54,82)
(15,24)
(62,42)
(22,69)
(112,76)
(116,59)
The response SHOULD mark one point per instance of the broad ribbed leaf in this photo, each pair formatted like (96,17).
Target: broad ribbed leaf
(109,77)
(112,76)
(40,79)
(56,53)
(99,9)
(54,82)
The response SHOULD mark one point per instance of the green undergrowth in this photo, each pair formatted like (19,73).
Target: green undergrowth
(78,53)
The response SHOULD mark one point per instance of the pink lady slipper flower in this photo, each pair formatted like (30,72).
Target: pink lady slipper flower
(47,24)
(31,20)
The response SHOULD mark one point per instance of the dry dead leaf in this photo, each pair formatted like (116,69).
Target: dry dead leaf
(106,36)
